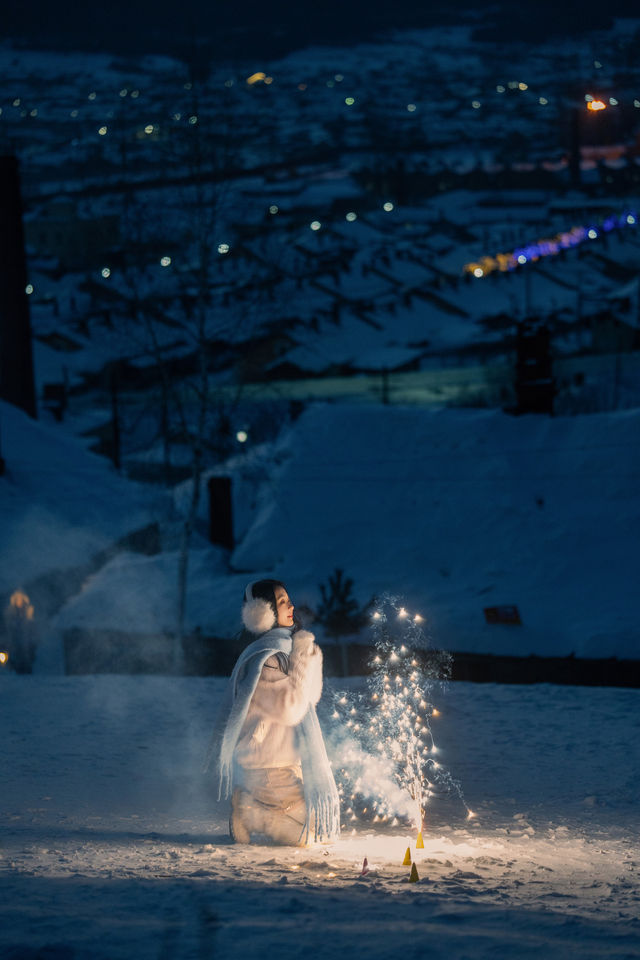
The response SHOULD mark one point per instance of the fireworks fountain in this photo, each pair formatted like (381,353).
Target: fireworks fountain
(385,756)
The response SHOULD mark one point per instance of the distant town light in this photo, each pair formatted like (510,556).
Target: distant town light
(592,234)
(523,86)
(242,436)
(513,84)
(349,101)
(230,82)
(28,289)
(193,120)
(268,80)
(596,105)
(4,656)
(103,131)
(500,88)
(351,216)
(135,94)
(223,248)
(478,272)
(636,103)
(597,64)
(93,95)
(476,104)
(387,207)
(256,78)
(588,97)
(74,113)
(631,219)
(613,101)
(522,259)
(315,224)
(302,86)
(34,113)
(165,261)
(148,128)
(543,101)
(411,107)
(188,85)
(177,116)
(273,208)
(124,92)
(17,102)
(331,83)
(106,272)
(338,78)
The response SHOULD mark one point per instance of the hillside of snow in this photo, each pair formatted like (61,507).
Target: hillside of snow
(59,504)
(450,511)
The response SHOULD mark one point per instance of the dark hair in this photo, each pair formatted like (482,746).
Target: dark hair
(266,590)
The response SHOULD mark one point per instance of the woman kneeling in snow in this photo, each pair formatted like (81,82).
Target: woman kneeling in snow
(271,755)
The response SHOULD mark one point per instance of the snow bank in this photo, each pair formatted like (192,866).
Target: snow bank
(59,504)
(457,510)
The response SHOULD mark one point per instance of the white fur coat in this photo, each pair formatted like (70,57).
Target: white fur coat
(279,702)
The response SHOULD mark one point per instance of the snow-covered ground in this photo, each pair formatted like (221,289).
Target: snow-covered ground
(113,845)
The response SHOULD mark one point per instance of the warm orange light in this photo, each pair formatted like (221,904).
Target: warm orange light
(20,601)
(596,105)
(256,78)
(4,656)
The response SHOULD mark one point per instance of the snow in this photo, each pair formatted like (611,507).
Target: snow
(456,510)
(113,845)
(59,504)
(450,510)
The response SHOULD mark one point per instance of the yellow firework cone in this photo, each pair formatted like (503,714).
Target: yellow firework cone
(420,842)
(407,858)
(413,876)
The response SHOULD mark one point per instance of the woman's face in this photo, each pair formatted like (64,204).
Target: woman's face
(284,607)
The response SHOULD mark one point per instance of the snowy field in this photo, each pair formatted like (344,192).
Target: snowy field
(114,847)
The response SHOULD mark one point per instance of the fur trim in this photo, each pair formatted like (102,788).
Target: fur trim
(303,638)
(258,615)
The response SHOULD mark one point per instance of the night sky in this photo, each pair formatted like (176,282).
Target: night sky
(233,30)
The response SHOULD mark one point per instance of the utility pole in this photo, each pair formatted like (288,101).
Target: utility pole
(17,384)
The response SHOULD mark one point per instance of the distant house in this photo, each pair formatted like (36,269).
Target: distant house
(612,334)
(77,242)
